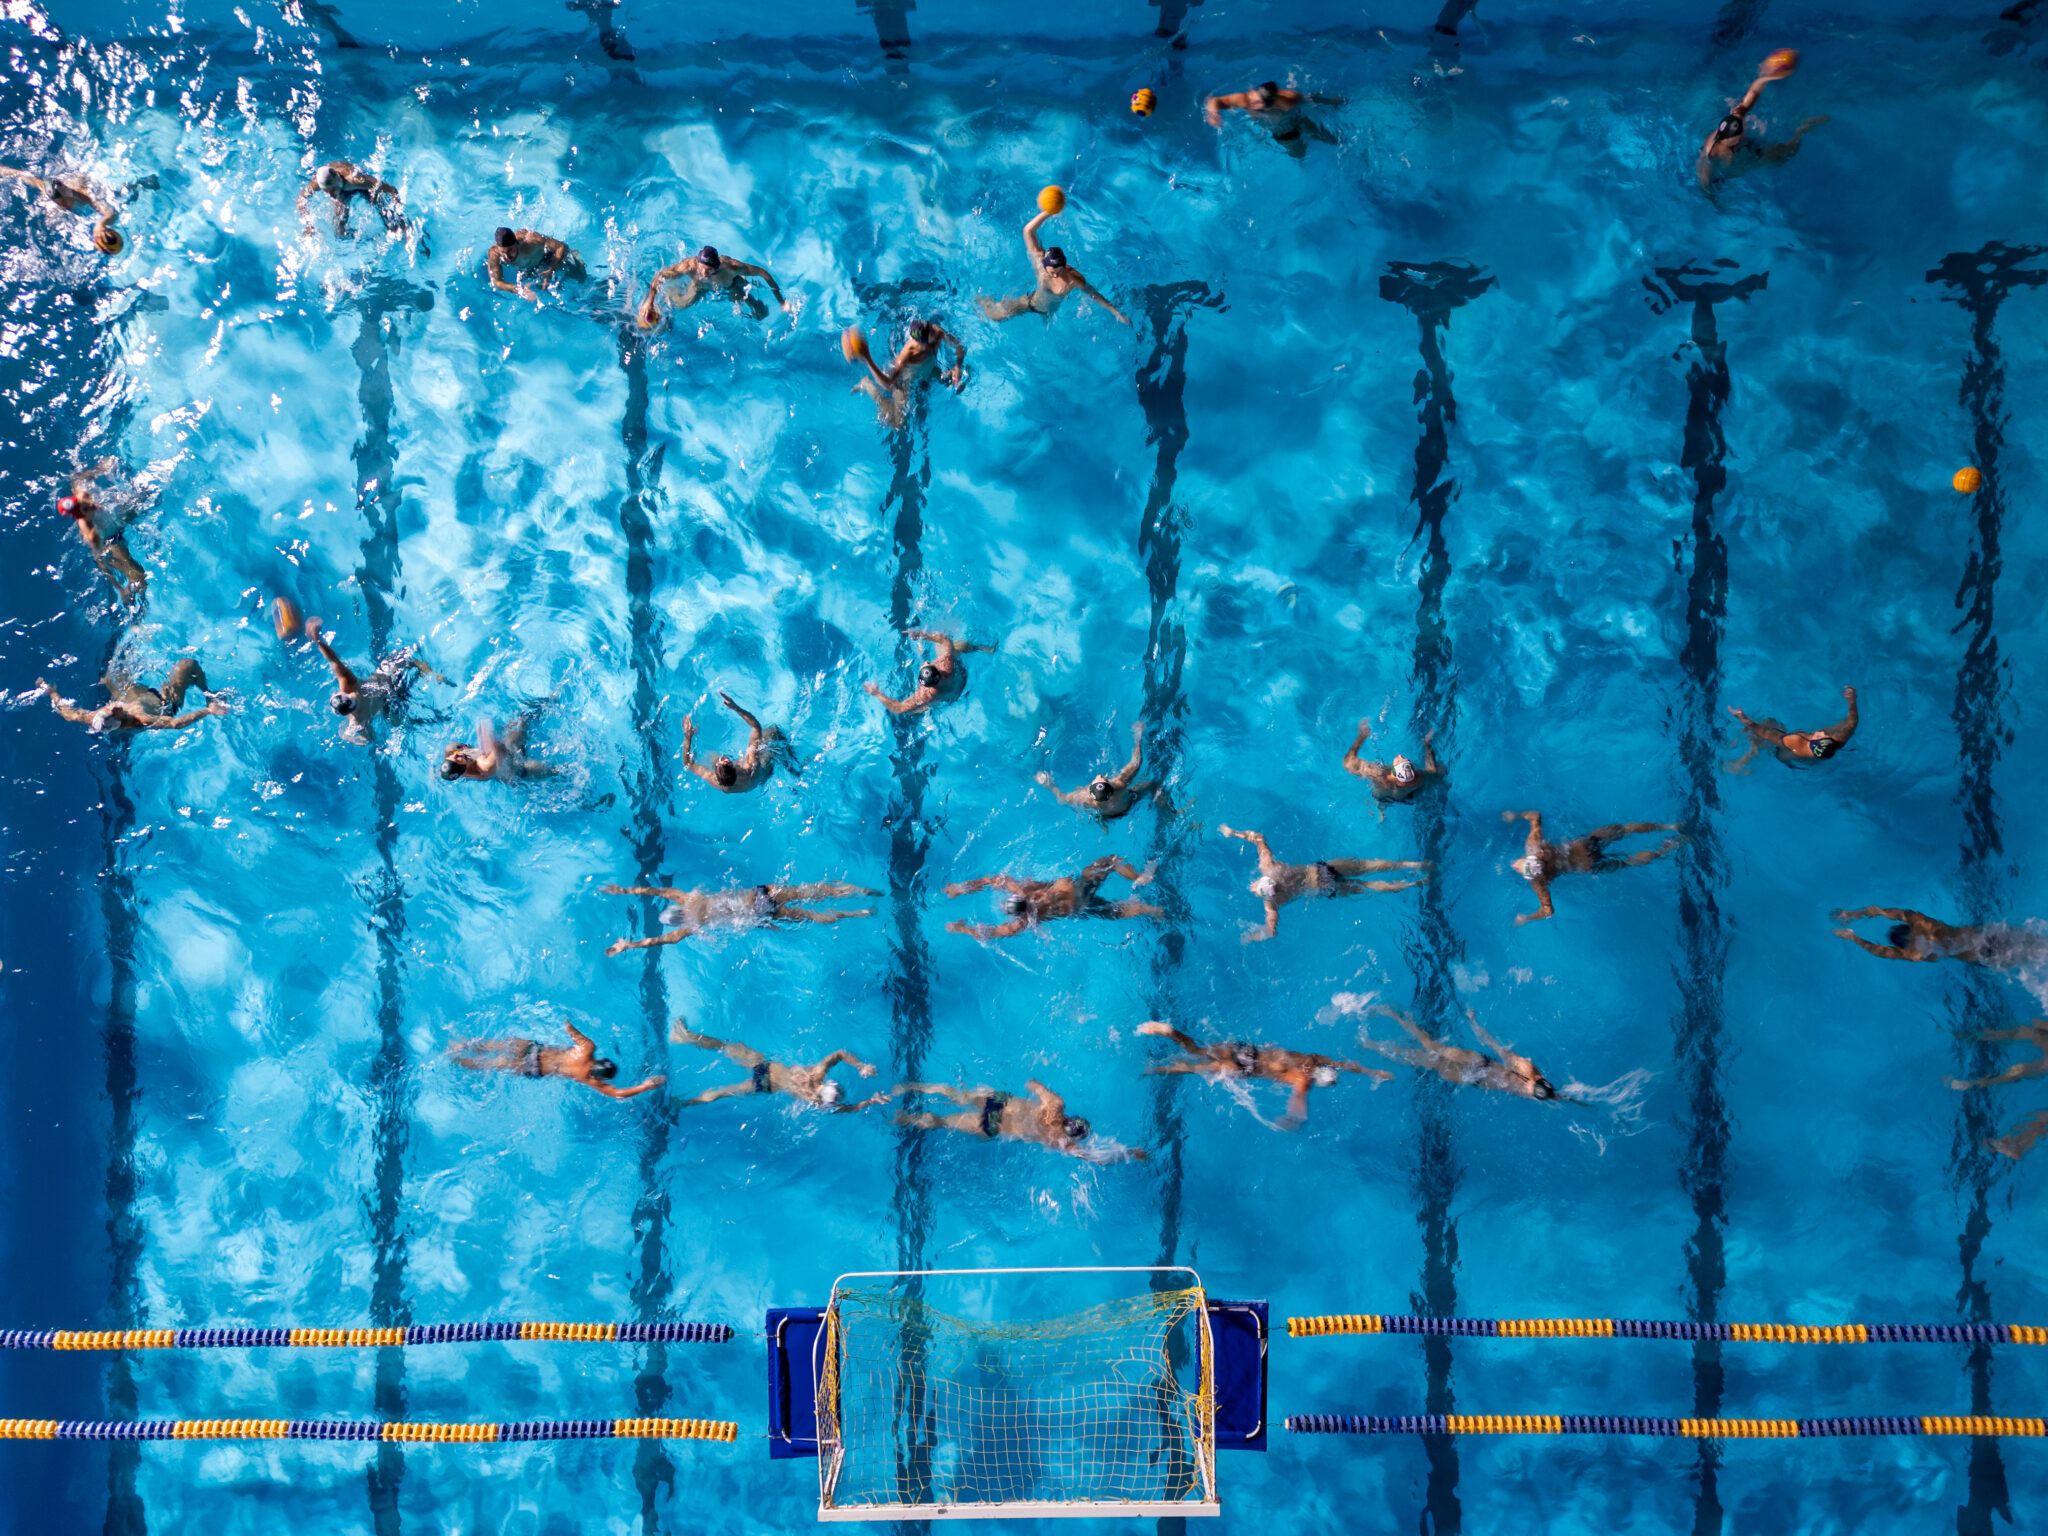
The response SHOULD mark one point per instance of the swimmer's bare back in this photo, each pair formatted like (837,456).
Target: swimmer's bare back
(941,678)
(1795,747)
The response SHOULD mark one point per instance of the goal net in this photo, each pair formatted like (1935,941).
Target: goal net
(924,1415)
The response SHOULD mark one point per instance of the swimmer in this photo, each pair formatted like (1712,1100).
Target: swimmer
(109,552)
(139,707)
(1399,780)
(1455,1064)
(709,273)
(1276,110)
(1542,862)
(735,776)
(2019,1141)
(691,912)
(74,196)
(890,390)
(1916,936)
(809,1084)
(1110,797)
(1056,280)
(528,250)
(495,757)
(1795,747)
(2036,1035)
(578,1063)
(1280,883)
(1224,1060)
(938,679)
(1731,149)
(360,702)
(992,1114)
(341,181)
(1040,901)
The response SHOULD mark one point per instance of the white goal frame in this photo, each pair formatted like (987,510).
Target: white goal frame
(832,1454)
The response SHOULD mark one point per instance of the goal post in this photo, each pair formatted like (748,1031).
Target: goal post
(984,1394)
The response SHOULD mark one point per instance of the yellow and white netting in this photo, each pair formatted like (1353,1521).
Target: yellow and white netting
(1112,1404)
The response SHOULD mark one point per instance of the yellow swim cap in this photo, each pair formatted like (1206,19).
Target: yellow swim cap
(1143,101)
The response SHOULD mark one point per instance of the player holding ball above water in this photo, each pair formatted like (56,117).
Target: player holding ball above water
(1056,280)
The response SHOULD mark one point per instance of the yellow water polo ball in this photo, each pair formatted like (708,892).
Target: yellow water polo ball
(1143,101)
(1967,480)
(1051,200)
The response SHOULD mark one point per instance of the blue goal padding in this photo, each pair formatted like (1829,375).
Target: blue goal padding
(1237,1333)
(792,1381)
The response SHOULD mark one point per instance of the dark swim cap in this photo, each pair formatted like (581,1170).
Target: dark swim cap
(1055,258)
(1901,935)
(725,771)
(1102,789)
(764,899)
(1076,1128)
(344,703)
(709,256)
(1822,745)
(1016,906)
(503,237)
(605,1068)
(1543,1088)
(453,768)
(925,332)
(929,675)
(1269,87)
(1730,127)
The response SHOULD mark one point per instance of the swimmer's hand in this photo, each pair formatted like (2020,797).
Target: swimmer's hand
(614,890)
(216,706)
(958,377)
(871,688)
(868,1070)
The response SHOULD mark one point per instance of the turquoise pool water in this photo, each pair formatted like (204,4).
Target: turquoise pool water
(1480,418)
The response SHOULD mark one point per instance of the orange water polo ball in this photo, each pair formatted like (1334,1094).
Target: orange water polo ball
(1780,64)
(1143,101)
(1051,200)
(1967,480)
(853,344)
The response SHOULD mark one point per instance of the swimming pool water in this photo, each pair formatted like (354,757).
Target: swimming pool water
(1429,426)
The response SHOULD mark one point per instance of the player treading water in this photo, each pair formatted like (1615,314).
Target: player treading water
(1110,796)
(362,701)
(940,679)
(734,775)
(1400,780)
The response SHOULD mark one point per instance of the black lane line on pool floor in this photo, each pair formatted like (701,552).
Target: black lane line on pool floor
(377,576)
(1431,291)
(1162,382)
(1980,281)
(1700,1030)
(653,1284)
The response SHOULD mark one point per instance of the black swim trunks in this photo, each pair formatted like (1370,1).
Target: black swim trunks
(992,1114)
(527,1063)
(762,1071)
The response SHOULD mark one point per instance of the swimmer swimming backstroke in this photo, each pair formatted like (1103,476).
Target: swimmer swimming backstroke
(760,906)
(109,551)
(1542,861)
(1031,902)
(1400,780)
(734,776)
(1280,882)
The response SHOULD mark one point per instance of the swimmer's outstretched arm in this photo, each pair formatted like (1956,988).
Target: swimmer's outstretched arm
(649,313)
(1186,1042)
(865,1069)
(1095,293)
(20,175)
(1353,763)
(1109,864)
(748,269)
(1014,926)
(342,674)
(665,892)
(668,936)
(1260,935)
(1544,908)
(626,1093)
(81,483)
(1846,726)
(958,376)
(1008,883)
(921,699)
(1074,797)
(1031,229)
(66,708)
(1130,769)
(494,264)
(690,763)
(1429,760)
(2019,1141)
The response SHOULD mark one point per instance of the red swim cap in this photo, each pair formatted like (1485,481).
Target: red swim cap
(68,505)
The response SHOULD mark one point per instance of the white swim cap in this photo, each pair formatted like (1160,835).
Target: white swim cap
(830,1092)
(1404,771)
(1529,867)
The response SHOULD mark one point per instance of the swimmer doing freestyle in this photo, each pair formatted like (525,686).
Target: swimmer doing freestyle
(939,679)
(109,553)
(1916,936)
(1031,902)
(1542,862)
(890,388)
(692,912)
(1794,747)
(138,707)
(1280,882)
(992,1114)
(74,196)
(810,1085)
(1110,796)
(1226,1060)
(1056,281)
(1468,1068)
(1277,109)
(576,1063)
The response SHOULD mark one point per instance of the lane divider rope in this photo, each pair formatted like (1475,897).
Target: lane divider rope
(1689,1429)
(363,1338)
(344,1429)
(1637,1328)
